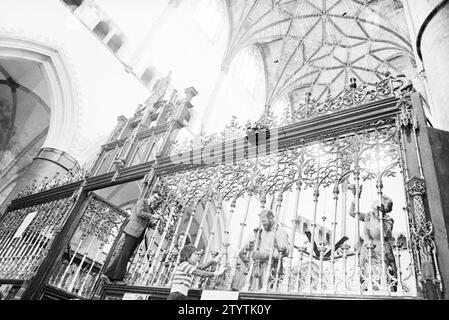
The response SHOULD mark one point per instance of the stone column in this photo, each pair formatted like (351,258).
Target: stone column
(431,20)
(47,162)
(420,83)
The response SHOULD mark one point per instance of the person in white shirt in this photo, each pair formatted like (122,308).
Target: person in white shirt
(261,253)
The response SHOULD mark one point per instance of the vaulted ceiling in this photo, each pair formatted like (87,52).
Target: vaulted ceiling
(316,46)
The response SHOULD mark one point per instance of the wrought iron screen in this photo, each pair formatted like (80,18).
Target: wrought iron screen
(26,235)
(84,257)
(341,220)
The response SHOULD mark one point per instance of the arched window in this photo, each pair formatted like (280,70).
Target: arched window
(211,16)
(101,29)
(115,43)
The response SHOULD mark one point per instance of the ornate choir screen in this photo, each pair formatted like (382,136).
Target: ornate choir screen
(79,268)
(345,185)
(26,235)
(341,199)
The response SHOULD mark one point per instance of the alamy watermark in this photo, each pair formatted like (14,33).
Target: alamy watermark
(230,150)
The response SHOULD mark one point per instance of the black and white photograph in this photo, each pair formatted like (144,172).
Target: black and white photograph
(233,150)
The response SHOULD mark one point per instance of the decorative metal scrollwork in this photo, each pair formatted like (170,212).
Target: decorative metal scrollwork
(26,235)
(78,270)
(316,168)
(57,181)
(353,97)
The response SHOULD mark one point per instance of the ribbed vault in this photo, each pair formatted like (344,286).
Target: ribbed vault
(316,46)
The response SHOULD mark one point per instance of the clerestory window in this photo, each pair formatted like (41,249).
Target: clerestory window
(101,29)
(115,43)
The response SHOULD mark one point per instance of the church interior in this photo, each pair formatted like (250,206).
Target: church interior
(331,115)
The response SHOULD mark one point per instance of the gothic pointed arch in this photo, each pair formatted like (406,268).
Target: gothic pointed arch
(63,94)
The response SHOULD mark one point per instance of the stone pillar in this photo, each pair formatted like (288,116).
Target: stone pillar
(420,83)
(431,19)
(47,162)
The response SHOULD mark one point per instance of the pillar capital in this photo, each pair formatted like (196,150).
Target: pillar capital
(59,157)
(416,186)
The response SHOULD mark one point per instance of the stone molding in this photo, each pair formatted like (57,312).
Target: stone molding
(65,104)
